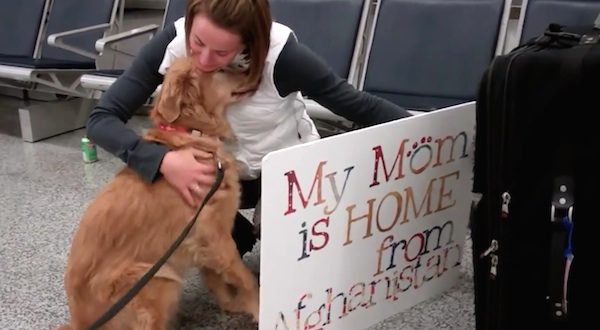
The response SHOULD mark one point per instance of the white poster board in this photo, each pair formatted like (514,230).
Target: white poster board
(358,227)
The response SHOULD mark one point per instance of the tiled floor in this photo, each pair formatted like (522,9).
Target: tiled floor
(44,188)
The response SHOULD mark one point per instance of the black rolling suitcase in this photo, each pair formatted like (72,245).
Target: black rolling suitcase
(537,170)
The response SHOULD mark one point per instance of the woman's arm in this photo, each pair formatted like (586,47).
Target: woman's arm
(106,124)
(300,69)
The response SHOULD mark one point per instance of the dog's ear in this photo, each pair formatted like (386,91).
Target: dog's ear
(167,104)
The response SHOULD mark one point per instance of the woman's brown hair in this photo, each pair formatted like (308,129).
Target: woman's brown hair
(251,19)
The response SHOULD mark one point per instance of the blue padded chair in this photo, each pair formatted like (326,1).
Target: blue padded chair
(334,30)
(71,28)
(174,10)
(71,25)
(99,81)
(20,26)
(429,54)
(50,70)
(77,25)
(536,15)
(331,28)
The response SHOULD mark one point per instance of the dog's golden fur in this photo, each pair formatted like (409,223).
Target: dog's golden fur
(131,223)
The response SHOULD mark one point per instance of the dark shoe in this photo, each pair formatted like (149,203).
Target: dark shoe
(243,234)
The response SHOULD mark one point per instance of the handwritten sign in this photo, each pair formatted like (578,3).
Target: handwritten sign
(358,227)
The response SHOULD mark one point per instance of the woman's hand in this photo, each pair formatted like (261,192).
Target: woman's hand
(190,171)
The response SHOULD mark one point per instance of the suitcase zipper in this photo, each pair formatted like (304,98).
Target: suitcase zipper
(493,248)
(493,266)
(495,290)
(494,245)
(505,202)
(491,253)
(502,215)
(492,287)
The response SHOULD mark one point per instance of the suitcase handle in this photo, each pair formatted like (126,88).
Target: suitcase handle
(561,253)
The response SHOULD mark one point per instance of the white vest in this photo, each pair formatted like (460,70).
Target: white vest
(265,121)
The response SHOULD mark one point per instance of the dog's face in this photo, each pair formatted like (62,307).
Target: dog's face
(196,99)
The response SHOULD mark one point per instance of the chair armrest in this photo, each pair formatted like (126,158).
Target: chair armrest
(318,111)
(56,40)
(101,44)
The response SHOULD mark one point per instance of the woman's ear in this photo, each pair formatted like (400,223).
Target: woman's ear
(167,105)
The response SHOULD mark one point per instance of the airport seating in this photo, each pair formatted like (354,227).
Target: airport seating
(536,15)
(335,30)
(45,47)
(338,41)
(429,54)
(98,82)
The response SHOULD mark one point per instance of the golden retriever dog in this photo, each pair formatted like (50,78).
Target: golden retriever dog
(131,223)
